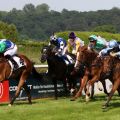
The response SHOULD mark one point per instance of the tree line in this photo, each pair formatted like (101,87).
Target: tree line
(38,22)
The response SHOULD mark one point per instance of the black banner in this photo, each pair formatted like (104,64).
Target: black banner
(39,88)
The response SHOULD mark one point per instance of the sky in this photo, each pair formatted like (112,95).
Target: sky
(58,5)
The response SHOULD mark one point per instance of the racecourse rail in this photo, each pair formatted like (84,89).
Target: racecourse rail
(40,66)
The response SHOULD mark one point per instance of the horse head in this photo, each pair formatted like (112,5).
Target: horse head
(46,53)
(85,56)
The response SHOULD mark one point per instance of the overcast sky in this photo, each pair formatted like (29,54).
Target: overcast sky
(58,5)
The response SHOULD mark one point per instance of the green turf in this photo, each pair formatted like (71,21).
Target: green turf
(62,109)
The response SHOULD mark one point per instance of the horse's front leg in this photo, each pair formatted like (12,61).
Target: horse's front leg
(83,83)
(55,88)
(27,90)
(21,83)
(90,83)
(114,88)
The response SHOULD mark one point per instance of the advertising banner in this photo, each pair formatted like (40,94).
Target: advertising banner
(39,88)
(4,91)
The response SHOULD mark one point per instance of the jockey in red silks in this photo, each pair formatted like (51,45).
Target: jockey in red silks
(9,49)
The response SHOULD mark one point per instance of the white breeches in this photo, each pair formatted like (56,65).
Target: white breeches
(11,51)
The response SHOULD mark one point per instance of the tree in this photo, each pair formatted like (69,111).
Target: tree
(42,8)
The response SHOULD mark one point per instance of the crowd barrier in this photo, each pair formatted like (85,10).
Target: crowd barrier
(40,88)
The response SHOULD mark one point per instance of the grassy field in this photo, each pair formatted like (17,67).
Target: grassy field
(62,109)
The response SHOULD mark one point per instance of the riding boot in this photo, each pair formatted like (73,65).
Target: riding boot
(13,61)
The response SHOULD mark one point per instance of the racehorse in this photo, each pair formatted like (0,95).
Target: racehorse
(109,67)
(20,74)
(57,69)
(86,57)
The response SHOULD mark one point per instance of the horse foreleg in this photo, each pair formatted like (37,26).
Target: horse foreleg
(114,88)
(90,83)
(65,86)
(104,86)
(92,91)
(83,83)
(27,90)
(55,88)
(21,83)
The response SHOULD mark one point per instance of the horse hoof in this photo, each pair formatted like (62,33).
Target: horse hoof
(9,105)
(72,99)
(104,106)
(87,98)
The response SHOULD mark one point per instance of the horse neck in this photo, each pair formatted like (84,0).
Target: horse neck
(90,56)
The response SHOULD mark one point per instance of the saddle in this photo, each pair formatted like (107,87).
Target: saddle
(16,62)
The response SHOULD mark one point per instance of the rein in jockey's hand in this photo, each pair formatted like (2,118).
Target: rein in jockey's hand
(113,54)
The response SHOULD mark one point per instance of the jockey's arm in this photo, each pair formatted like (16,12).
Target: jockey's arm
(65,50)
(77,46)
(62,45)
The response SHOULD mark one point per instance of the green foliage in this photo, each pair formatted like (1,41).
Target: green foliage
(39,22)
(84,35)
(105,28)
(8,31)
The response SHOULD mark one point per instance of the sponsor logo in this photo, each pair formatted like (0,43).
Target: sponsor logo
(1,90)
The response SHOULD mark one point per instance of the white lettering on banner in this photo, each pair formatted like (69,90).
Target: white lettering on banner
(14,88)
(45,86)
(1,90)
(49,91)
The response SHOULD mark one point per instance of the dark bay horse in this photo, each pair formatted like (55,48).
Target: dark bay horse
(57,69)
(86,57)
(109,67)
(21,74)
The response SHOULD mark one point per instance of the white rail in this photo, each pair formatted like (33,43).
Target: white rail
(41,66)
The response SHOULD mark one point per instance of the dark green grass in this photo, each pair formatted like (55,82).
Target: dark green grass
(62,109)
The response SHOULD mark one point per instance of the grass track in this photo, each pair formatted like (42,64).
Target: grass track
(61,109)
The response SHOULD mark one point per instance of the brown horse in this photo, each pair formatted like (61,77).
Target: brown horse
(109,68)
(21,74)
(86,57)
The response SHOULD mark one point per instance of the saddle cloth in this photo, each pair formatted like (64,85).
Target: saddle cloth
(19,62)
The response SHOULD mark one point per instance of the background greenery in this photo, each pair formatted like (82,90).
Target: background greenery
(32,49)
(38,22)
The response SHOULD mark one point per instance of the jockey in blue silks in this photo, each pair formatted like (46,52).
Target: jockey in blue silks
(9,49)
(60,44)
(111,46)
(115,52)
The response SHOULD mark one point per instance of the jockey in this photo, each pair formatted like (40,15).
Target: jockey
(96,43)
(112,45)
(73,44)
(60,44)
(115,51)
(9,49)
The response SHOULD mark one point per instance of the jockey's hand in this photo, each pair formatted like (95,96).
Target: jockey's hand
(113,54)
(59,50)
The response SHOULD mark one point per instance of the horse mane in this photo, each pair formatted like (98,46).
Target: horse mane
(89,55)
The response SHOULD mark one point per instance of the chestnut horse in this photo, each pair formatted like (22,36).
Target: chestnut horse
(86,57)
(109,67)
(21,74)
